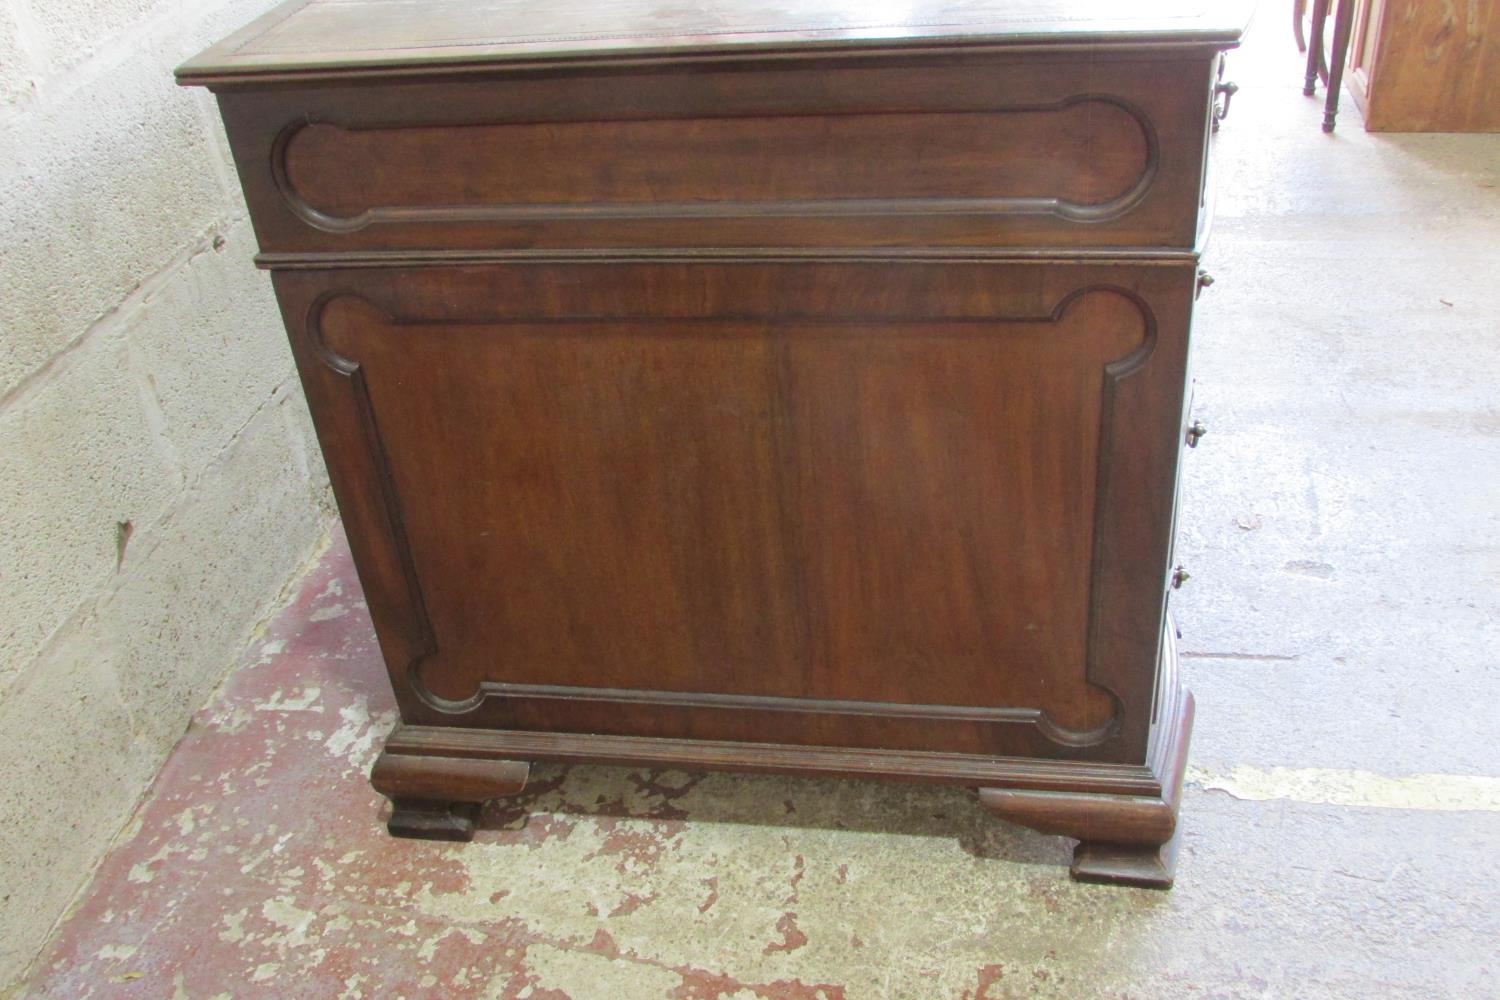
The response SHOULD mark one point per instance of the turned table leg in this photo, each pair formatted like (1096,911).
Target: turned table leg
(1123,839)
(1315,46)
(1343,22)
(439,798)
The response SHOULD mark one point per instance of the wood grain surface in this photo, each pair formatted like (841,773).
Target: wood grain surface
(1427,67)
(856,504)
(977,150)
(374,35)
(796,388)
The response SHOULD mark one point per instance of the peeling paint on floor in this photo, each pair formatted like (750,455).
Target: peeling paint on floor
(260,867)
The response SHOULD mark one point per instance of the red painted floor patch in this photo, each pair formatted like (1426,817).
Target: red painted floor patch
(259,865)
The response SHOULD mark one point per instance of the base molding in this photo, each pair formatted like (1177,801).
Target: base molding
(773,758)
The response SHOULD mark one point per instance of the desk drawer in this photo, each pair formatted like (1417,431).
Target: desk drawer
(984,151)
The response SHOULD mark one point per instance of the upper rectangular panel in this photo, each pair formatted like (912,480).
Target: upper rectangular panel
(333,37)
(981,150)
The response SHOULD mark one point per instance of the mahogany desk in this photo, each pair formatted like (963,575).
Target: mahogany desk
(777,386)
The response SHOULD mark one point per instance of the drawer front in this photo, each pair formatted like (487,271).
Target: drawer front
(995,151)
(923,506)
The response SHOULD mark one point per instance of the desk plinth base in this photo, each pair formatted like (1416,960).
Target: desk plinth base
(1124,816)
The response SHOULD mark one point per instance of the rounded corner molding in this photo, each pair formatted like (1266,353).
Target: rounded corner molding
(1123,366)
(448,706)
(1082,739)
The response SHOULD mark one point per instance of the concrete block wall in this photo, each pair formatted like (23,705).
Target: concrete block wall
(159,482)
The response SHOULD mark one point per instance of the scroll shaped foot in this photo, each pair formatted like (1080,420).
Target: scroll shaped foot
(1123,839)
(439,798)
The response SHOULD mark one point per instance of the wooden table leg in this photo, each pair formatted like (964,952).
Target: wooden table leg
(1315,46)
(1343,22)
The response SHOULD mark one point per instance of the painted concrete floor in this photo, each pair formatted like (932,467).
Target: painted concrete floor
(1343,814)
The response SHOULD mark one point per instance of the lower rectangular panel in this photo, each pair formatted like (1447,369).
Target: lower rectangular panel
(921,506)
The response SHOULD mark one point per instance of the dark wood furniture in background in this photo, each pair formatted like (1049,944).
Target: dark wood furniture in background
(1414,66)
(1331,69)
(794,391)
(1419,66)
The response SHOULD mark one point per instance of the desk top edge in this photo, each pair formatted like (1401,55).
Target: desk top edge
(312,39)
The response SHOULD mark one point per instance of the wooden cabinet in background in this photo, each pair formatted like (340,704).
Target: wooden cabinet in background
(1426,66)
(787,387)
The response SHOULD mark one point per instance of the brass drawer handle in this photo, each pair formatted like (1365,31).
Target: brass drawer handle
(1195,433)
(1179,577)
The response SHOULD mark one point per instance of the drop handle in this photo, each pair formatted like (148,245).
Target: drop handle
(1179,577)
(1195,433)
(1221,110)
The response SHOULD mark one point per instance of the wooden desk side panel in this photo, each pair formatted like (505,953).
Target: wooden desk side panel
(904,505)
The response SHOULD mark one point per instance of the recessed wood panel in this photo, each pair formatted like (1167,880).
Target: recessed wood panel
(972,149)
(1084,158)
(709,492)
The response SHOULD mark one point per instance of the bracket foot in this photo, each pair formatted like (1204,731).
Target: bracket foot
(439,798)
